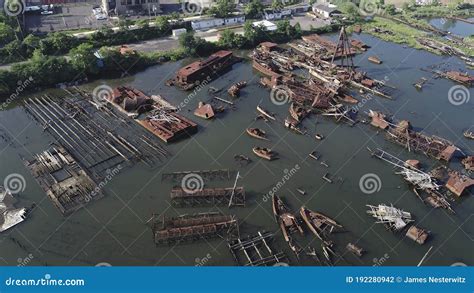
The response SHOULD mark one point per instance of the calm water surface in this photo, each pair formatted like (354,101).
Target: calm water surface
(114,229)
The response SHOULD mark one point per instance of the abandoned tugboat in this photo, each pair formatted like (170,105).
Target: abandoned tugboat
(257,133)
(265,153)
(318,223)
(202,71)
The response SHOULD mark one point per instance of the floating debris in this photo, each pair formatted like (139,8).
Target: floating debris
(458,183)
(9,215)
(394,219)
(208,197)
(354,249)
(265,113)
(234,90)
(374,59)
(256,250)
(301,191)
(204,111)
(417,234)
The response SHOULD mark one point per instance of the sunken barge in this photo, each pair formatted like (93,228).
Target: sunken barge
(202,71)
(190,228)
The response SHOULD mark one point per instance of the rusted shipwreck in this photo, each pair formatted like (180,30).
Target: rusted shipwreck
(168,125)
(197,72)
(208,197)
(190,228)
(403,134)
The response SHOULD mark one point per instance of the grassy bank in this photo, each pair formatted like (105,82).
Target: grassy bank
(407,35)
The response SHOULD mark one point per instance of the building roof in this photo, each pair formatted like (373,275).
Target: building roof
(269,26)
(326,8)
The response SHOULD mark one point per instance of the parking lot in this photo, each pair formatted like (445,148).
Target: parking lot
(306,22)
(66,17)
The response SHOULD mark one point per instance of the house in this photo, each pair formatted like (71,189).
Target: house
(274,14)
(267,25)
(326,11)
(207,23)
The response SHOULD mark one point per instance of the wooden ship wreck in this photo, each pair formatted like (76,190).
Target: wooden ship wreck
(403,134)
(288,222)
(256,250)
(234,90)
(257,133)
(190,228)
(168,125)
(265,153)
(394,219)
(65,182)
(197,72)
(318,223)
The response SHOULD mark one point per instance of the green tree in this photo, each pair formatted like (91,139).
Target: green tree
(222,8)
(254,9)
(277,4)
(390,9)
(162,24)
(188,43)
(7,33)
(83,59)
(31,43)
